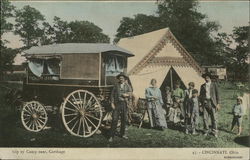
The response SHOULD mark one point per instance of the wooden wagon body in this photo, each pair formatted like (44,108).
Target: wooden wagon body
(74,79)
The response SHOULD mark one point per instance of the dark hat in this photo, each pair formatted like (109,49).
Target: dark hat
(194,91)
(121,74)
(207,74)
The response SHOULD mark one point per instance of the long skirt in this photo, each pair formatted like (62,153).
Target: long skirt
(156,115)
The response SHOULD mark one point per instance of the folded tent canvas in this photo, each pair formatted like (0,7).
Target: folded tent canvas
(159,55)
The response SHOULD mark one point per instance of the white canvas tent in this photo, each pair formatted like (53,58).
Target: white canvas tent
(156,54)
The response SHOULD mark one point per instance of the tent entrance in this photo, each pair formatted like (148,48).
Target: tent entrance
(171,79)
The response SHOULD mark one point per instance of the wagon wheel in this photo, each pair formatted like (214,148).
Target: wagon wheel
(81,113)
(34,116)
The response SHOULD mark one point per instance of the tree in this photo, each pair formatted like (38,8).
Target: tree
(140,24)
(28,21)
(6,54)
(77,32)
(238,64)
(189,26)
(86,32)
(6,12)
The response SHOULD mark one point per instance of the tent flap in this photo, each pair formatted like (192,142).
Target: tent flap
(142,80)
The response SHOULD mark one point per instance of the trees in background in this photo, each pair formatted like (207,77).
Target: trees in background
(6,54)
(240,53)
(189,26)
(76,32)
(28,25)
(34,30)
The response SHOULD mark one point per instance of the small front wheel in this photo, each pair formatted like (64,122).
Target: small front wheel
(34,116)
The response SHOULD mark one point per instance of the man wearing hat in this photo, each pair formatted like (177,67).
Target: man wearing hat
(119,98)
(209,97)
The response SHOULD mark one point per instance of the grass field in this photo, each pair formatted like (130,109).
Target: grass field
(12,134)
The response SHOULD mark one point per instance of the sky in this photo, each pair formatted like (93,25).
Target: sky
(107,14)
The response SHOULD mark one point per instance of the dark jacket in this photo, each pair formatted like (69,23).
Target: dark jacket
(117,92)
(214,93)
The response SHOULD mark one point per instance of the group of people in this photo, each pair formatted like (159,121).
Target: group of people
(178,106)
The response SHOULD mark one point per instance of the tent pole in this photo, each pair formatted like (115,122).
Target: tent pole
(171,79)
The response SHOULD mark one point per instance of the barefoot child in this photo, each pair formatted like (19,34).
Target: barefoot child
(237,115)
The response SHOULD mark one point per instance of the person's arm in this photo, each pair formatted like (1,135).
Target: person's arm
(112,98)
(241,111)
(217,93)
(160,97)
(182,95)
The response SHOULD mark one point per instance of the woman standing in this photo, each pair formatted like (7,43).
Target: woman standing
(155,110)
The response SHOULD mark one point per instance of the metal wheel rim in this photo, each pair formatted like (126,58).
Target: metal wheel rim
(34,116)
(83,107)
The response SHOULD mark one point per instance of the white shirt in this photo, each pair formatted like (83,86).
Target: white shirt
(208,84)
(122,85)
(190,93)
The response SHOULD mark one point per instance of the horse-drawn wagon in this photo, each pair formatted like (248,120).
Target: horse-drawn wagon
(74,80)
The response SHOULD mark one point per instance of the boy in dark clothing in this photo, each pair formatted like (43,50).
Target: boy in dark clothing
(192,111)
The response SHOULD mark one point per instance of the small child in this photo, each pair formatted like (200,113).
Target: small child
(237,115)
(192,117)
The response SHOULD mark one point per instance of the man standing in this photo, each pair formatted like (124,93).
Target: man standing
(119,101)
(209,97)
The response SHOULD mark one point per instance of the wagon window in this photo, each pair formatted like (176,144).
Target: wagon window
(41,67)
(114,65)
(36,66)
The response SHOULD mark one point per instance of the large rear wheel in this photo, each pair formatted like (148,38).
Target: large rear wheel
(81,113)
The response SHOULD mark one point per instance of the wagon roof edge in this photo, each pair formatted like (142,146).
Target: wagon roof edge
(75,48)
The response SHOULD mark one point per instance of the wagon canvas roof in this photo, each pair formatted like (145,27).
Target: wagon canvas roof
(155,53)
(69,48)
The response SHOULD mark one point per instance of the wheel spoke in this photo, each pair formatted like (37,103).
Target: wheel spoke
(84,100)
(45,117)
(70,109)
(91,122)
(32,125)
(72,114)
(43,123)
(92,117)
(76,101)
(28,107)
(27,120)
(72,119)
(79,95)
(88,128)
(89,102)
(35,125)
(91,109)
(72,104)
(39,124)
(74,126)
(83,126)
(79,127)
(27,111)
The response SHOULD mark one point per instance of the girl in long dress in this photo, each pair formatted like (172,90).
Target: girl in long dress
(155,110)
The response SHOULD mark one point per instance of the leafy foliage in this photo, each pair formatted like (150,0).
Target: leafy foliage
(6,54)
(28,20)
(190,27)
(73,32)
(238,64)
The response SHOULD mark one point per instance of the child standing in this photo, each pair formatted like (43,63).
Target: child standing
(237,115)
(194,111)
(187,101)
